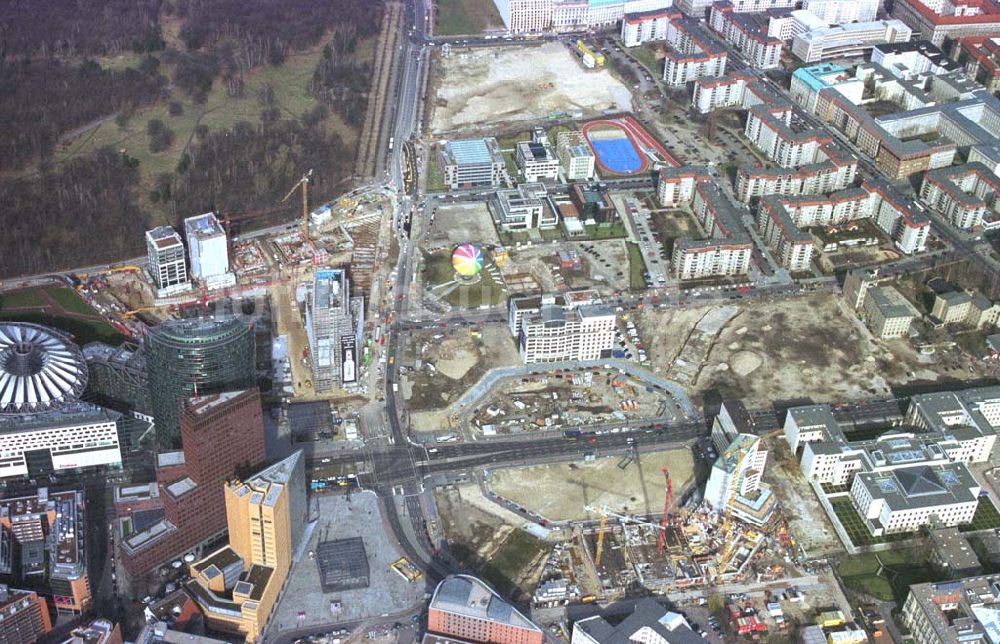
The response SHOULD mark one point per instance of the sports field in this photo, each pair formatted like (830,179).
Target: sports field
(614,149)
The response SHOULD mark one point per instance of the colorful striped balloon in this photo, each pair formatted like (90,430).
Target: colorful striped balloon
(467,260)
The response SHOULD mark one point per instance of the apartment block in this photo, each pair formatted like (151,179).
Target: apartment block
(939,21)
(953,612)
(525,16)
(749,33)
(836,171)
(729,249)
(639,28)
(979,56)
(783,139)
(965,195)
(694,53)
(675,186)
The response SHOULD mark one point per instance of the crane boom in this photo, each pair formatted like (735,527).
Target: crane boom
(600,541)
(304,184)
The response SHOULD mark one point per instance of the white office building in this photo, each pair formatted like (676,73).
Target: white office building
(576,159)
(473,163)
(208,249)
(167,263)
(904,479)
(524,208)
(536,160)
(734,483)
(558,334)
(845,41)
(838,12)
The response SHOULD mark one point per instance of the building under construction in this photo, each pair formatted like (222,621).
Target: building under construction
(333,323)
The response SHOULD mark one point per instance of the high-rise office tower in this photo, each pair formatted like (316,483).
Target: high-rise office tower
(237,586)
(194,358)
(220,433)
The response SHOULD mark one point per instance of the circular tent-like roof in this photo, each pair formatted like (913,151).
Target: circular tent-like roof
(40,369)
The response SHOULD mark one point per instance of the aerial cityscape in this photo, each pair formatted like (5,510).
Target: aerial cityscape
(500,321)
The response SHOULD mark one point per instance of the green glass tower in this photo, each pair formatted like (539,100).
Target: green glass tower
(195,357)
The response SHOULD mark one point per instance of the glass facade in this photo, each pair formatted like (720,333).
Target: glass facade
(195,357)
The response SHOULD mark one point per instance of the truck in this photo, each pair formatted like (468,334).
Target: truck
(572,434)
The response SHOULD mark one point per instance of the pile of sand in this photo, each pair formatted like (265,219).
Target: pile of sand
(745,363)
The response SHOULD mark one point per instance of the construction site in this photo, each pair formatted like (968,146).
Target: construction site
(258,273)
(568,398)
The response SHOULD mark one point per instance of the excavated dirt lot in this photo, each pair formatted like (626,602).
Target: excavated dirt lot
(495,85)
(792,349)
(483,536)
(459,360)
(560,491)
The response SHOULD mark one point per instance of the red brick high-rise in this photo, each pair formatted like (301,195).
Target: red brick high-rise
(464,608)
(24,616)
(220,433)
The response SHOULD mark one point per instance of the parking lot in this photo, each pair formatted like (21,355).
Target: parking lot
(655,256)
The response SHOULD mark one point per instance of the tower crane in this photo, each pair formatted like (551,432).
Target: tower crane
(304,184)
(668,502)
(600,541)
(727,522)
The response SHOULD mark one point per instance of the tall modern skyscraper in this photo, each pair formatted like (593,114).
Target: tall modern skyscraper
(193,358)
(221,433)
(237,586)
(167,264)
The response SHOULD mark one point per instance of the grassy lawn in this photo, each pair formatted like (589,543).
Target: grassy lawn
(83,331)
(69,300)
(986,517)
(438,270)
(16,306)
(647,58)
(509,562)
(635,268)
(900,568)
(23,299)
(464,17)
(855,525)
(614,231)
(435,176)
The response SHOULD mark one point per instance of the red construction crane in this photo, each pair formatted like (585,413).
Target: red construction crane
(668,503)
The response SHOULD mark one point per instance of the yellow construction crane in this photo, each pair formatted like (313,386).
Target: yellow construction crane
(600,541)
(604,513)
(730,543)
(304,183)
